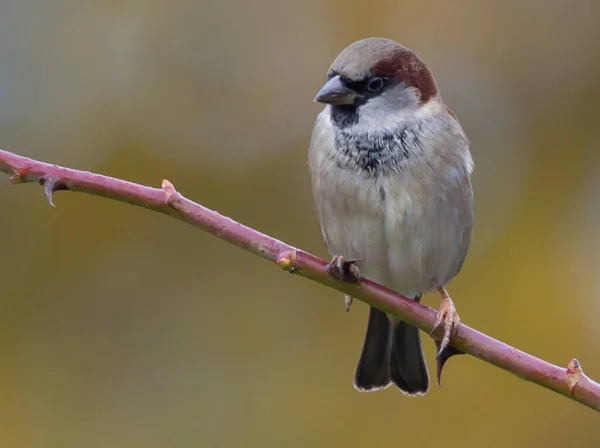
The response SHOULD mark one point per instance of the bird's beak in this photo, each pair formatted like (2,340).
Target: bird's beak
(336,93)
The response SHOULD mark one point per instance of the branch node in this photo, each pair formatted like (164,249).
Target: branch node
(287,260)
(170,192)
(574,374)
(18,176)
(50,186)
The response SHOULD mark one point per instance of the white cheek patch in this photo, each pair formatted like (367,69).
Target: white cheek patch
(385,113)
(380,114)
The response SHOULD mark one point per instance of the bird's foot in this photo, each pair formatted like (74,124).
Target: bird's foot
(348,302)
(344,270)
(449,317)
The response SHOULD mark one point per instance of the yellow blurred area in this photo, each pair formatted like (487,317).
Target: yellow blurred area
(120,327)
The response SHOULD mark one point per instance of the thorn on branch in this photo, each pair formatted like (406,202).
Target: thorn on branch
(50,186)
(443,357)
(574,374)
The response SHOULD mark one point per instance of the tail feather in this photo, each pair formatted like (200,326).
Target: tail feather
(391,353)
(407,365)
(373,369)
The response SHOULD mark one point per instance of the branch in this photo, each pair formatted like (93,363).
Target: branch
(570,382)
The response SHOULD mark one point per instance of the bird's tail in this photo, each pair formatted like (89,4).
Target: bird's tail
(373,369)
(407,364)
(391,353)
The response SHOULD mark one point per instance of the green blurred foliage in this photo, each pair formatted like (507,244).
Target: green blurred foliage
(120,327)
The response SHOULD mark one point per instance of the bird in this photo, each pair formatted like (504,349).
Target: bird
(390,170)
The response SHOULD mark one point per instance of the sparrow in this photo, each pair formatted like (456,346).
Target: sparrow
(391,179)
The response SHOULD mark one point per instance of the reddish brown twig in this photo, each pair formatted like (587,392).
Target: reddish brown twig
(570,382)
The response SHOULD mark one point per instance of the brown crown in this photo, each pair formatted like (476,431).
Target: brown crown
(385,57)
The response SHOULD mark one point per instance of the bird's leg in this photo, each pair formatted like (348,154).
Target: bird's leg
(448,316)
(346,271)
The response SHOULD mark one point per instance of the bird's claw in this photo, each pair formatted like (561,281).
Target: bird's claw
(449,317)
(344,270)
(348,302)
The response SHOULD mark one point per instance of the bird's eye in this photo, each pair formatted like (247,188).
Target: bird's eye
(375,84)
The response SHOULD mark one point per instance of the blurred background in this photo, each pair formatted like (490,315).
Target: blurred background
(121,327)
